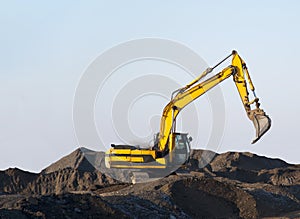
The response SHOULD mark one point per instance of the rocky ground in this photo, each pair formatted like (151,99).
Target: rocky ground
(232,185)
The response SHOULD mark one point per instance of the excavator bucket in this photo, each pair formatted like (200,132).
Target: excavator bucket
(262,124)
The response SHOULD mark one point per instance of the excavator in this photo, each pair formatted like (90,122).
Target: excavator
(171,149)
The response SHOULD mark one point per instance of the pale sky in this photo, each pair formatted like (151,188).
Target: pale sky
(46,47)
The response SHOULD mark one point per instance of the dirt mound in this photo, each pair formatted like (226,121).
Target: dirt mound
(245,167)
(14,180)
(229,185)
(75,172)
(245,161)
(197,196)
(208,198)
(60,207)
(71,173)
(76,161)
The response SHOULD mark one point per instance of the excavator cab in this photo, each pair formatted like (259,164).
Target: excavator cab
(182,148)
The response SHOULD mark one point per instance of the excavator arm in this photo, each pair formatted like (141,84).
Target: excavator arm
(261,121)
(193,90)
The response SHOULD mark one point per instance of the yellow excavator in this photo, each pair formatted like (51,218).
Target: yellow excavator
(172,149)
